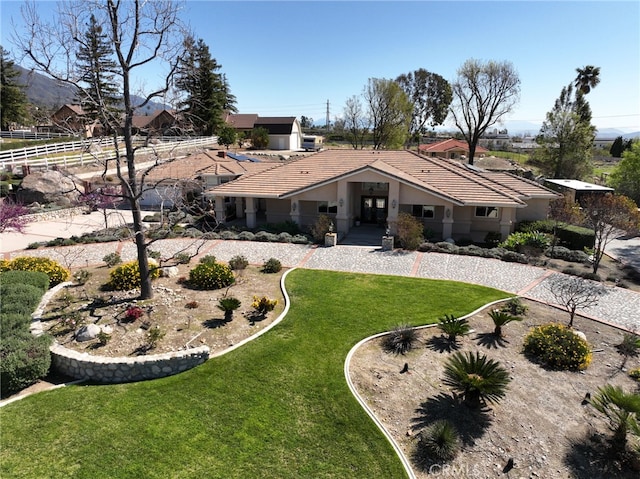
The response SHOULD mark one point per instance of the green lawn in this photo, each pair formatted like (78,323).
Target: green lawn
(277,408)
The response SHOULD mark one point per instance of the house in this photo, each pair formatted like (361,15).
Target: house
(452,199)
(576,190)
(285,132)
(452,149)
(158,123)
(167,184)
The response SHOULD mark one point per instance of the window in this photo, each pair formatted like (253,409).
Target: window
(423,211)
(486,212)
(327,207)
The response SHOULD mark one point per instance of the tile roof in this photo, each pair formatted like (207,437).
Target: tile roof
(448,145)
(241,121)
(447,179)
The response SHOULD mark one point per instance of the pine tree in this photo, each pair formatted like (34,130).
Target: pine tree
(207,94)
(97,68)
(13,101)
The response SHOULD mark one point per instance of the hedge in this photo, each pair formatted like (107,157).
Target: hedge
(19,298)
(34,278)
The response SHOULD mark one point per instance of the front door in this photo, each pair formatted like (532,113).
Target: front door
(374,209)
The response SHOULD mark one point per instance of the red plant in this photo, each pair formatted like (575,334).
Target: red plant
(12,216)
(132,313)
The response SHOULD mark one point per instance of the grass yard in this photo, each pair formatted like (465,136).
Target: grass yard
(277,408)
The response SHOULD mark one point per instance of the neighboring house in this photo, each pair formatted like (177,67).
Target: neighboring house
(285,132)
(576,190)
(159,123)
(450,198)
(168,183)
(451,149)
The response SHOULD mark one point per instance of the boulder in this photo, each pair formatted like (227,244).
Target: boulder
(47,187)
(169,271)
(87,332)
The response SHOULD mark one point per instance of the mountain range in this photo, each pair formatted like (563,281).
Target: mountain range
(48,93)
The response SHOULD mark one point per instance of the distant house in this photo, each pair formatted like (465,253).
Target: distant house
(576,190)
(451,149)
(159,123)
(450,198)
(285,132)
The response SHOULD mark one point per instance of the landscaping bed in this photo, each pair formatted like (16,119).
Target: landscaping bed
(543,423)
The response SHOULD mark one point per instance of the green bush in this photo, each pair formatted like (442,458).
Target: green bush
(57,274)
(211,276)
(112,259)
(272,265)
(575,237)
(566,254)
(409,231)
(557,347)
(439,442)
(238,262)
(33,278)
(266,237)
(25,359)
(208,259)
(126,276)
(182,258)
(515,307)
(246,236)
(14,324)
(521,240)
(453,327)
(19,298)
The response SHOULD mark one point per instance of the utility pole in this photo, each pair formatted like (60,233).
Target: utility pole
(326,125)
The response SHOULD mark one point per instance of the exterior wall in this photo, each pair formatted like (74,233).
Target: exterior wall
(155,197)
(536,210)
(278,211)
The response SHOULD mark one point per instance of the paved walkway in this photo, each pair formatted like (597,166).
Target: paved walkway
(620,307)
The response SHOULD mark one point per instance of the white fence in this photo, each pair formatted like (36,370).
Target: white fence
(30,135)
(42,156)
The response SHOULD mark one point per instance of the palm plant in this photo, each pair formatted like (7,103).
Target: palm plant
(501,318)
(588,77)
(453,327)
(622,410)
(401,339)
(228,304)
(476,378)
(441,441)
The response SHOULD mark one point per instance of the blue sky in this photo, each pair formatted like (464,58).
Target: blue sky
(288,58)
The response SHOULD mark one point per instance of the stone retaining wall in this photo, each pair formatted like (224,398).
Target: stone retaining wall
(115,370)
(53,214)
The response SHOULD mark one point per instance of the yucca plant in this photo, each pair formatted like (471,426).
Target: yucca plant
(228,304)
(453,327)
(401,339)
(476,378)
(622,410)
(501,318)
(440,441)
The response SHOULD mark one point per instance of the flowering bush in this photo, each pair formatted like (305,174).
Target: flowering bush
(557,347)
(57,273)
(126,276)
(211,276)
(132,313)
(263,305)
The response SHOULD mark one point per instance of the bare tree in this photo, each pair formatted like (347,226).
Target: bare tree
(356,122)
(482,94)
(143,34)
(574,293)
(608,215)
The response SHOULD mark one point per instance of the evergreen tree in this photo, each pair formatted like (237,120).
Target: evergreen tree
(13,101)
(99,95)
(207,94)
(567,135)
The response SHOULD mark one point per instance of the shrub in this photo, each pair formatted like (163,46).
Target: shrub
(238,262)
(513,257)
(154,254)
(566,254)
(557,347)
(14,324)
(272,265)
(476,378)
(263,305)
(401,340)
(19,298)
(266,237)
(520,241)
(208,259)
(81,276)
(57,274)
(182,258)
(300,239)
(25,359)
(33,278)
(229,235)
(192,305)
(285,237)
(228,304)
(622,409)
(501,318)
(103,338)
(320,228)
(440,441)
(154,335)
(409,231)
(112,259)
(515,307)
(630,345)
(246,236)
(132,313)
(211,276)
(453,327)
(126,276)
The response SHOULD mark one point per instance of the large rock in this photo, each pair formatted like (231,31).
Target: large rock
(87,332)
(47,187)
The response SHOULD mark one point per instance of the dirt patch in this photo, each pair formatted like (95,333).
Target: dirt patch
(542,423)
(185,317)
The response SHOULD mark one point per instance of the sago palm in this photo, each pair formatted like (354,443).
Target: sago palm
(453,327)
(501,318)
(476,378)
(621,408)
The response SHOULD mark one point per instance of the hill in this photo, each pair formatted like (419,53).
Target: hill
(47,93)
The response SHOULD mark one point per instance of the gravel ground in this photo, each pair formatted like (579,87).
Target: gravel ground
(619,306)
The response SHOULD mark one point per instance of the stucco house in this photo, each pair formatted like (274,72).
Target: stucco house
(285,132)
(452,199)
(452,149)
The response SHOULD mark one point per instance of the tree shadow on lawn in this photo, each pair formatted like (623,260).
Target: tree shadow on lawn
(491,341)
(442,344)
(592,456)
(470,424)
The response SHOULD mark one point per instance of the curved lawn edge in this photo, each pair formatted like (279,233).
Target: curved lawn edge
(405,462)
